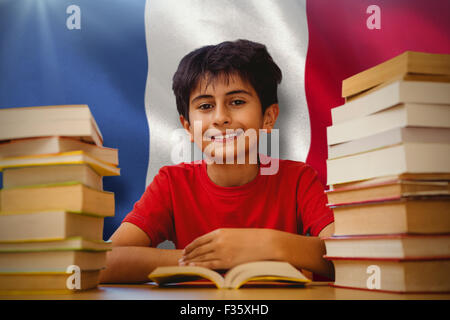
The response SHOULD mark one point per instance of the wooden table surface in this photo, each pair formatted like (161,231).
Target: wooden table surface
(149,291)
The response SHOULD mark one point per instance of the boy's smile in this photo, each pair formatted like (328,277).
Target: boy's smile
(226,110)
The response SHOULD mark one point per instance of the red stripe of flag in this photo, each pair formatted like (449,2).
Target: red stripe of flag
(341,45)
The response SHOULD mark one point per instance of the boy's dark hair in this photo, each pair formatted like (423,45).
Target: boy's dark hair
(250,60)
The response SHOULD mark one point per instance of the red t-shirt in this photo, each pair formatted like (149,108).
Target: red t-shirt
(182,203)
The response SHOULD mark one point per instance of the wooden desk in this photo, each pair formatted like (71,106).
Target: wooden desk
(314,291)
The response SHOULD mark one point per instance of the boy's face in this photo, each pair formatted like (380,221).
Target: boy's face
(227,106)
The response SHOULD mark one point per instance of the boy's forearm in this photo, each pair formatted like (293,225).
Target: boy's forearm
(302,252)
(133,264)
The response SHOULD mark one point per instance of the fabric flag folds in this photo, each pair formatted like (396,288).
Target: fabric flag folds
(174,28)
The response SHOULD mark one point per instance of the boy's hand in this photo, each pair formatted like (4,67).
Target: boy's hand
(226,248)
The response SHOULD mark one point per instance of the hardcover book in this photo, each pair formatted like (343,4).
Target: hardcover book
(51,260)
(45,175)
(390,138)
(412,158)
(49,225)
(50,145)
(409,65)
(421,92)
(68,196)
(73,157)
(388,189)
(423,215)
(41,121)
(403,115)
(395,246)
(393,275)
(45,282)
(261,271)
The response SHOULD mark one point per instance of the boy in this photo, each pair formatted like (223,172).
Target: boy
(223,213)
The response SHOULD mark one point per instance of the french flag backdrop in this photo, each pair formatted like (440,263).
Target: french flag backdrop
(120,59)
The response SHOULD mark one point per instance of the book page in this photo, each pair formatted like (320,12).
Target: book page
(263,270)
(176,274)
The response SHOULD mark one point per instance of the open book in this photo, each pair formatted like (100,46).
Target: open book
(261,271)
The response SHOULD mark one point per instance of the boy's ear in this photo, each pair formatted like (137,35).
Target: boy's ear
(186,127)
(270,117)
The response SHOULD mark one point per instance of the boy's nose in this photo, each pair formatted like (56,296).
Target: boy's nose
(221,115)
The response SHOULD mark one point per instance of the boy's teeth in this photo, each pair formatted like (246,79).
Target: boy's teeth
(227,136)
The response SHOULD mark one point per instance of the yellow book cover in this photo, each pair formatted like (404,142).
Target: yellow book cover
(73,157)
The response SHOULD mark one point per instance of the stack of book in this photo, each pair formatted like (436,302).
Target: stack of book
(388,170)
(52,204)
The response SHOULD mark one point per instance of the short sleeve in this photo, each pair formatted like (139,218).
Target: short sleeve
(153,213)
(312,201)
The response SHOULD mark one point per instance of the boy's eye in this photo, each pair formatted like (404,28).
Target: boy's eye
(237,102)
(205,106)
